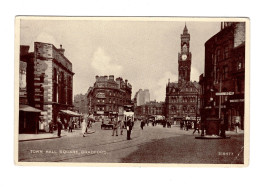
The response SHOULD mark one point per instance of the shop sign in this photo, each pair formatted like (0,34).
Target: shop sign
(225,93)
(236,100)
(100,112)
(100,95)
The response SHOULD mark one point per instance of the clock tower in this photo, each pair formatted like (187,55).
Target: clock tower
(184,57)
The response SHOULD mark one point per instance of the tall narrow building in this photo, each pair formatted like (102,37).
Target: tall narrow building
(142,97)
(182,96)
(184,57)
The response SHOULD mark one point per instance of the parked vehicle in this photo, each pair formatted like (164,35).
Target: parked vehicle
(106,124)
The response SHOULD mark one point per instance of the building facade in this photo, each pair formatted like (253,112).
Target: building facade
(142,97)
(150,109)
(182,97)
(49,79)
(108,95)
(225,73)
(80,103)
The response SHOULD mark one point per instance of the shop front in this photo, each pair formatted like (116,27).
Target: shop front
(29,119)
(237,110)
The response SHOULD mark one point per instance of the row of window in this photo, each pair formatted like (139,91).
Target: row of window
(221,74)
(106,108)
(60,78)
(115,101)
(222,54)
(182,99)
(184,109)
(110,93)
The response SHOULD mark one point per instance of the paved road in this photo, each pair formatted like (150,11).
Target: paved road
(151,145)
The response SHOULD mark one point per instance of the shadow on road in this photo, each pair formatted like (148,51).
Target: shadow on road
(186,149)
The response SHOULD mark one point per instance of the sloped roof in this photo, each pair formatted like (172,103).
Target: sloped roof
(183,84)
(173,84)
(27,108)
(70,113)
(190,84)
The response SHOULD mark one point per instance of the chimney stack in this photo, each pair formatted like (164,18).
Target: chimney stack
(61,50)
(111,77)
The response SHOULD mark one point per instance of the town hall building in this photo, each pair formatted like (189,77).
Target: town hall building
(182,96)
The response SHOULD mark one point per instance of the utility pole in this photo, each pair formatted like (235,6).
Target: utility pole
(197,107)
(219,108)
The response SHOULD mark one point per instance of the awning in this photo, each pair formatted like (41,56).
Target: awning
(70,113)
(26,108)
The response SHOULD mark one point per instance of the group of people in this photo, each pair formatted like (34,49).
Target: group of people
(120,124)
(188,124)
(155,122)
(59,126)
(70,125)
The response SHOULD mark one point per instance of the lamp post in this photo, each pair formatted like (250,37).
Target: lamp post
(196,120)
(219,108)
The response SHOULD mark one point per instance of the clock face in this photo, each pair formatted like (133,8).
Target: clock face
(184,57)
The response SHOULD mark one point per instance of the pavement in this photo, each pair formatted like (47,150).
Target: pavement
(54,135)
(77,132)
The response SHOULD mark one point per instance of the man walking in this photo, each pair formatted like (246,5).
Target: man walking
(142,124)
(196,127)
(115,127)
(121,126)
(59,126)
(51,125)
(70,125)
(129,125)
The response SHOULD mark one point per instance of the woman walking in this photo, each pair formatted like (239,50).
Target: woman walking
(84,128)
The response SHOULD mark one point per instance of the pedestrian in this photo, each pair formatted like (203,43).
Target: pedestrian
(51,124)
(59,126)
(115,127)
(129,126)
(89,123)
(168,124)
(196,127)
(70,125)
(187,125)
(121,126)
(142,124)
(84,128)
(163,123)
(237,126)
(181,125)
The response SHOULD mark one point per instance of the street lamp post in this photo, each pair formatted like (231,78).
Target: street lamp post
(197,109)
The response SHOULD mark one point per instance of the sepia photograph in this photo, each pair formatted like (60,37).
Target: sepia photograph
(132,91)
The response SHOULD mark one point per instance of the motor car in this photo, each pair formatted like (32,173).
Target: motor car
(107,124)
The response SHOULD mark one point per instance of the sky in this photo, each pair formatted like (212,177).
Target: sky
(143,52)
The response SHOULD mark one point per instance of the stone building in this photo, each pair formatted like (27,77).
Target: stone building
(108,95)
(150,109)
(225,73)
(182,97)
(49,79)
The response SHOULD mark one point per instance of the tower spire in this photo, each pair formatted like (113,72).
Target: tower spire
(185,30)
